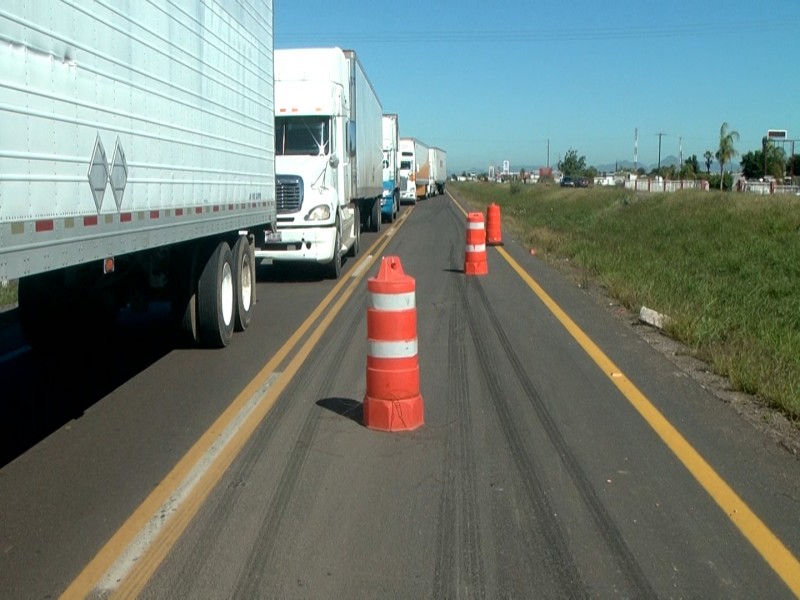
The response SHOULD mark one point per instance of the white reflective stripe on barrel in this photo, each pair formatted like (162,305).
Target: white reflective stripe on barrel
(476,247)
(478,225)
(402,349)
(389,302)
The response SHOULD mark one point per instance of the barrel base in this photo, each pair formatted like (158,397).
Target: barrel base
(393,415)
(476,268)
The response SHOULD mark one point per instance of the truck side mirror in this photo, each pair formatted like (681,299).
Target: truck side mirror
(333,161)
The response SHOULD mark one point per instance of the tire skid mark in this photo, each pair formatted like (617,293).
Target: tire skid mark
(256,571)
(558,560)
(250,459)
(629,566)
(459,534)
(217,520)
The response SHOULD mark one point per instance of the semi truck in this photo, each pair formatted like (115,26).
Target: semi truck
(328,157)
(390,201)
(438,165)
(136,163)
(414,170)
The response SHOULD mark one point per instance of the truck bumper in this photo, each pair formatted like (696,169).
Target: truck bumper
(313,244)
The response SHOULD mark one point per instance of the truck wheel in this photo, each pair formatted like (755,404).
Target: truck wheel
(396,206)
(244,277)
(375,218)
(334,268)
(183,295)
(356,233)
(215,298)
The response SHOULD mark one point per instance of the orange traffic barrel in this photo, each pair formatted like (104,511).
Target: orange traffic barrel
(392,401)
(475,254)
(494,236)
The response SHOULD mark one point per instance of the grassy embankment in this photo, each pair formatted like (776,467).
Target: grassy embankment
(724,267)
(8,294)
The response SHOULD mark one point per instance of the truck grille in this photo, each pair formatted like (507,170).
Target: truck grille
(289,193)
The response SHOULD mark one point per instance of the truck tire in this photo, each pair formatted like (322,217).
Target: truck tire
(216,298)
(396,206)
(356,233)
(334,268)
(244,277)
(183,295)
(375,215)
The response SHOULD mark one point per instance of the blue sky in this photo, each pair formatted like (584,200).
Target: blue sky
(494,81)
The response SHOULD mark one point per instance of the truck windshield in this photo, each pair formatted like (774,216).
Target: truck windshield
(405,164)
(302,135)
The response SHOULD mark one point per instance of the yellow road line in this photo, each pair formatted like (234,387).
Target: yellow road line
(147,564)
(782,561)
(774,552)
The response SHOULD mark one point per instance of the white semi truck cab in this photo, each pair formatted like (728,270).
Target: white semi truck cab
(328,157)
(414,170)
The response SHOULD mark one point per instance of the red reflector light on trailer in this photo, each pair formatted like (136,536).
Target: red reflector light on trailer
(108,265)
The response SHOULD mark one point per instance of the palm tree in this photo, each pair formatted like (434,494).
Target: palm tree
(726,150)
(709,159)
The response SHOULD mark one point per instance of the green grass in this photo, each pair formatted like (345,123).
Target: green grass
(725,267)
(8,294)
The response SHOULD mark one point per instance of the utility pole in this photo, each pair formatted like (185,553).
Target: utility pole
(660,135)
(548,153)
(680,150)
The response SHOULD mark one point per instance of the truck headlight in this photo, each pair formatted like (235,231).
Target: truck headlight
(319,213)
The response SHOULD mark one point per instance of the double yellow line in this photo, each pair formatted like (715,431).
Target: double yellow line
(122,543)
(774,552)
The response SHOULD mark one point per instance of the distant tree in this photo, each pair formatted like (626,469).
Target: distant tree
(793,166)
(726,150)
(690,168)
(709,158)
(572,165)
(753,164)
(591,173)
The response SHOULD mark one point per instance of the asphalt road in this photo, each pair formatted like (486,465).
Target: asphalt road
(561,455)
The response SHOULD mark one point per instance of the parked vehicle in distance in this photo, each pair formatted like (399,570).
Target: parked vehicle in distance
(582,182)
(328,159)
(390,201)
(414,170)
(438,170)
(136,172)
(567,182)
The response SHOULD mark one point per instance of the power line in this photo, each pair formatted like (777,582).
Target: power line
(547,35)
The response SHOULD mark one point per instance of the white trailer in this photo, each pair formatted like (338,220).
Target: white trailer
(414,170)
(438,165)
(328,163)
(136,162)
(390,201)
